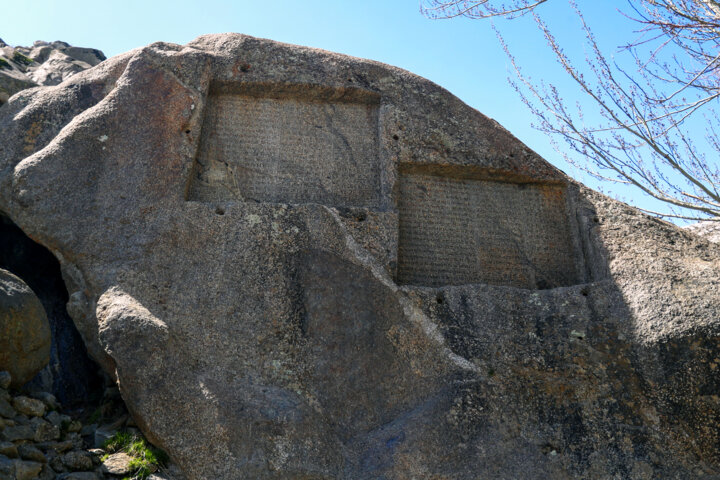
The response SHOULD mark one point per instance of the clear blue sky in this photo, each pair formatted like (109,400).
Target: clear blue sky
(461,55)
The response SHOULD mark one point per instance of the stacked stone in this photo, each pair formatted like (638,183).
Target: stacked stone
(37,441)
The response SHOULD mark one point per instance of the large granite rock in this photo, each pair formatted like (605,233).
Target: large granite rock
(44,63)
(305,265)
(709,229)
(24,330)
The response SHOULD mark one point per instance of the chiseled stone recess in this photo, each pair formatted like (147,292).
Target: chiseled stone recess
(299,264)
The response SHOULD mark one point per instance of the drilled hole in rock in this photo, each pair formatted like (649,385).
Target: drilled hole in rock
(71,375)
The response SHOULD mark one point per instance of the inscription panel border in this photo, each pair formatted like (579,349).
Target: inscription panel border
(479,254)
(371,169)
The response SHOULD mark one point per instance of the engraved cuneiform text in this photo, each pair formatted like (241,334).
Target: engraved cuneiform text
(456,231)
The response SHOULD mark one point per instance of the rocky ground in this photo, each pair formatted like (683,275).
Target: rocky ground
(45,63)
(38,440)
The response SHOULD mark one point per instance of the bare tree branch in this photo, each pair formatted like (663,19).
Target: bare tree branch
(477,8)
(647,136)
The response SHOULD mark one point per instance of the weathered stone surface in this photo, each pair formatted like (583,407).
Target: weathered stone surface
(708,229)
(300,265)
(42,64)
(56,463)
(29,406)
(24,330)
(56,419)
(78,460)
(25,470)
(78,476)
(47,398)
(6,409)
(59,447)
(5,380)
(7,468)
(17,432)
(8,449)
(30,452)
(44,431)
(117,464)
(11,82)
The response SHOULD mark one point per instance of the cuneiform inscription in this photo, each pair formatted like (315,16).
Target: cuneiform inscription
(456,231)
(288,150)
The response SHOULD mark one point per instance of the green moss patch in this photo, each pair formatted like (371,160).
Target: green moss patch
(21,59)
(146,459)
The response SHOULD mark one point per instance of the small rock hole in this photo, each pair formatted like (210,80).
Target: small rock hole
(220,211)
(396,137)
(244,67)
(596,220)
(548,449)
(584,292)
(440,300)
(361,217)
(187,131)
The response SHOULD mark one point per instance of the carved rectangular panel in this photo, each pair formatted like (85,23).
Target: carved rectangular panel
(288,149)
(456,231)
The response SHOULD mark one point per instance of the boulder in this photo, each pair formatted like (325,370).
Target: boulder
(72,377)
(24,331)
(78,460)
(29,406)
(299,264)
(117,464)
(12,80)
(42,64)
(25,470)
(708,229)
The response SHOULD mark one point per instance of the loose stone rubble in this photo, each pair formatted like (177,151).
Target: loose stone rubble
(38,441)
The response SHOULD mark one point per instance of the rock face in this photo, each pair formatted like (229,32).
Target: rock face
(304,265)
(42,64)
(24,330)
(708,229)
